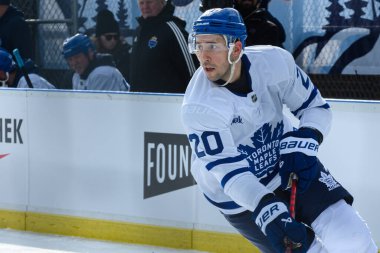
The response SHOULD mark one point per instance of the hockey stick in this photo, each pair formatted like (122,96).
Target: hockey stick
(293,192)
(21,65)
(292,206)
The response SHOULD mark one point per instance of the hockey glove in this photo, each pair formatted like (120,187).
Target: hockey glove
(298,154)
(274,220)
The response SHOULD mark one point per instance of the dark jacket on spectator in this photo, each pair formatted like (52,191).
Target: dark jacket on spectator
(160,61)
(15,33)
(120,56)
(263,28)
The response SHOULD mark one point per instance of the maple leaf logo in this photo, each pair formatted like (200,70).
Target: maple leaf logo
(329,181)
(264,153)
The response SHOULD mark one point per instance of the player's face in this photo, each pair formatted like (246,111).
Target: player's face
(212,54)
(3,78)
(150,8)
(78,62)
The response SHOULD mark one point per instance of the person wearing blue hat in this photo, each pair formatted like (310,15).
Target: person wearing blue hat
(7,65)
(93,71)
(11,76)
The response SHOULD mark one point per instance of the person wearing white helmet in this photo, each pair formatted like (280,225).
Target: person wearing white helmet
(93,71)
(245,148)
(11,76)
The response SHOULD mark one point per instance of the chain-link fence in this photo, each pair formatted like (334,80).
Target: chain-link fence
(52,21)
(337,42)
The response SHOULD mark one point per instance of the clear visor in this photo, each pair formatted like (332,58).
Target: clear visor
(211,47)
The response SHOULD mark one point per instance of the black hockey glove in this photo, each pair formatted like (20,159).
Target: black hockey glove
(298,154)
(274,220)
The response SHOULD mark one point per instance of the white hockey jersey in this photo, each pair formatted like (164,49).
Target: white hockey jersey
(101,78)
(38,82)
(235,138)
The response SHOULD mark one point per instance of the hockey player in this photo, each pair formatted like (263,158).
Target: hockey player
(93,71)
(245,148)
(12,76)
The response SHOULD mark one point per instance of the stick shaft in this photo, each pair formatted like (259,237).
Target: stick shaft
(292,205)
(293,193)
(21,65)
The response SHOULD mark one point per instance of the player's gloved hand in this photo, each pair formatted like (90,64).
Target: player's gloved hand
(274,220)
(298,154)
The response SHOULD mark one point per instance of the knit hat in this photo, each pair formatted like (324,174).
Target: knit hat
(5,2)
(106,23)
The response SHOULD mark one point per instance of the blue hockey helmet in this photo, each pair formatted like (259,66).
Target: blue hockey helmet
(6,61)
(79,43)
(226,22)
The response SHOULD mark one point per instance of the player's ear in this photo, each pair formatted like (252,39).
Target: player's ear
(238,47)
(91,54)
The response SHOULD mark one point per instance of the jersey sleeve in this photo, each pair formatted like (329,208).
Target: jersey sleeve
(38,82)
(303,98)
(217,155)
(107,78)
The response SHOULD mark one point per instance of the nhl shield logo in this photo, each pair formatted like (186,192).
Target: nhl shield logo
(152,43)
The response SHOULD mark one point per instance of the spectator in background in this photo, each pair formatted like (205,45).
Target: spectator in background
(107,40)
(14,31)
(264,4)
(262,27)
(210,4)
(12,76)
(93,71)
(160,61)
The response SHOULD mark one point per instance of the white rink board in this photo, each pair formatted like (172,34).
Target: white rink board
(83,154)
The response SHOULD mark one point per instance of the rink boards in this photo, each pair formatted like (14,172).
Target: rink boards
(116,166)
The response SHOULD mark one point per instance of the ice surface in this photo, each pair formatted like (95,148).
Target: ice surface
(12,241)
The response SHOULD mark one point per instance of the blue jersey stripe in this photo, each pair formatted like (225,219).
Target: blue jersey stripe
(313,94)
(235,159)
(223,205)
(232,174)
(325,106)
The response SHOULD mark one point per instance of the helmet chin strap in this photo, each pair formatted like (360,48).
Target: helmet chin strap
(232,63)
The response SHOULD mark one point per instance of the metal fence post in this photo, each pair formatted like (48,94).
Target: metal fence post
(74,17)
